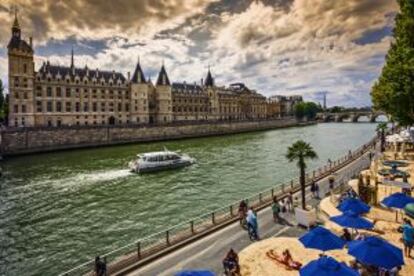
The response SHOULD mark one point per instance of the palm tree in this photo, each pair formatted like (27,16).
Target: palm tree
(300,151)
(381,128)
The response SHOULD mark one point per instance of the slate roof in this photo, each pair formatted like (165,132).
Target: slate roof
(17,43)
(161,76)
(81,72)
(209,79)
(140,73)
(179,86)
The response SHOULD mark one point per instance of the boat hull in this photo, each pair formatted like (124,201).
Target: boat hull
(160,167)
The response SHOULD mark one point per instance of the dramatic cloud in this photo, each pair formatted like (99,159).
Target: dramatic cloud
(276,46)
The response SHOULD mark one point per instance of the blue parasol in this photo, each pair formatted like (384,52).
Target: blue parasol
(327,266)
(352,220)
(355,205)
(397,200)
(377,252)
(322,239)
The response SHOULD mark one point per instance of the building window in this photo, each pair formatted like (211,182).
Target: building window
(127,107)
(68,107)
(49,106)
(49,122)
(23,108)
(58,107)
(58,122)
(68,92)
(103,107)
(85,107)
(23,121)
(24,68)
(39,106)
(77,107)
(95,107)
(16,108)
(58,92)
(119,107)
(49,91)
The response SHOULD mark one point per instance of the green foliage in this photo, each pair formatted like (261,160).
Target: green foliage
(306,109)
(336,109)
(382,126)
(394,90)
(300,151)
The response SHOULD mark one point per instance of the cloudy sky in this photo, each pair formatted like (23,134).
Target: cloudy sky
(283,47)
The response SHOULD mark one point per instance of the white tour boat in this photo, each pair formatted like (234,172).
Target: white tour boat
(161,160)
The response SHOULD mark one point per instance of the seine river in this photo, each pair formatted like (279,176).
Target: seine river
(57,210)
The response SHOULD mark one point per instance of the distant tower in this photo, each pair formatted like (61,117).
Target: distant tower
(163,97)
(324,100)
(21,78)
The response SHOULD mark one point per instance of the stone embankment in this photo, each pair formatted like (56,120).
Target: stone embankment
(32,140)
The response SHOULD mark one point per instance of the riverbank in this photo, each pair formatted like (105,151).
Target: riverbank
(35,140)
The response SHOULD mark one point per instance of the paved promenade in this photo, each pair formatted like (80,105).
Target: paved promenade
(208,252)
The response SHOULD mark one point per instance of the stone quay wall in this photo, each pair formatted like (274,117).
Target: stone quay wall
(32,140)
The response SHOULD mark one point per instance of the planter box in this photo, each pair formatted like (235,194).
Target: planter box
(306,218)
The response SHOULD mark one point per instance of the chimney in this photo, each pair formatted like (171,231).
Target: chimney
(129,75)
(31,42)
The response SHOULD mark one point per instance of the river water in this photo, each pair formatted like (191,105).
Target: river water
(60,209)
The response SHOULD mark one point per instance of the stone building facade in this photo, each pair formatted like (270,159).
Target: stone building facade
(68,95)
(281,106)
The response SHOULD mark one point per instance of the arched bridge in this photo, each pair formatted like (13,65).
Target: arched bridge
(350,116)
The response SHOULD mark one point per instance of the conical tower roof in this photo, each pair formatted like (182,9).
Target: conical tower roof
(163,77)
(138,76)
(209,79)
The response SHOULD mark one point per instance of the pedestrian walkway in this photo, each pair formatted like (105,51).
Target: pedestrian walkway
(208,252)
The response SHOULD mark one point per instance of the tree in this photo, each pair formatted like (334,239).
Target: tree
(301,151)
(381,128)
(306,109)
(393,93)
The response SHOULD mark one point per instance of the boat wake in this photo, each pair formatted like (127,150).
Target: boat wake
(75,181)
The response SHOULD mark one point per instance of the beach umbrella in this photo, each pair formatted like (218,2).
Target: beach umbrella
(322,239)
(327,266)
(355,205)
(195,273)
(377,252)
(352,220)
(397,200)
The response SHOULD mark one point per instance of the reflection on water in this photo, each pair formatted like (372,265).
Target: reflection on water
(59,209)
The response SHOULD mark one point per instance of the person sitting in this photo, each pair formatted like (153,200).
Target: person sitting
(346,236)
(231,263)
(285,259)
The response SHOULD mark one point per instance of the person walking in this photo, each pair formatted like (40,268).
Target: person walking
(317,191)
(289,202)
(276,210)
(100,267)
(313,189)
(408,237)
(252,225)
(242,212)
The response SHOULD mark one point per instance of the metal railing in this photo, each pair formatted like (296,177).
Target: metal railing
(178,235)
